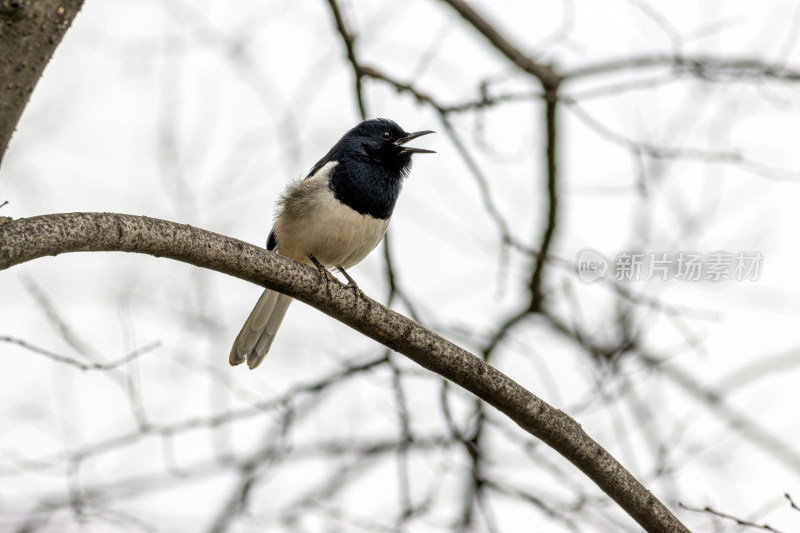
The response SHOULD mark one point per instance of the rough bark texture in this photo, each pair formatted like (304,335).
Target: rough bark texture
(27,239)
(30,31)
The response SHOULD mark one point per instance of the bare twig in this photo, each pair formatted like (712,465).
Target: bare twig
(726,516)
(78,364)
(349,44)
(706,67)
(544,73)
(537,294)
(791,502)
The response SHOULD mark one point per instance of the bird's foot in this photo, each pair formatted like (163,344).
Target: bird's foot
(351,284)
(324,274)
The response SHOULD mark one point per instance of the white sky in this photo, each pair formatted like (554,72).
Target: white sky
(150,108)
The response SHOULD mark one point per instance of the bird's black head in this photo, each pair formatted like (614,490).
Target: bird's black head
(383,142)
(373,158)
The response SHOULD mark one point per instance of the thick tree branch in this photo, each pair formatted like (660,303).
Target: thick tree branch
(27,239)
(30,31)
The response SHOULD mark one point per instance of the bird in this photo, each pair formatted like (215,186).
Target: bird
(334,217)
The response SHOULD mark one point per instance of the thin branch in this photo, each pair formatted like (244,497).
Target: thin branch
(791,502)
(392,278)
(349,44)
(537,295)
(739,521)
(58,322)
(78,364)
(549,79)
(708,67)
(537,502)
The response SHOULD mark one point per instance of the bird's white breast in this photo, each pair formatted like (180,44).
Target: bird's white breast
(313,222)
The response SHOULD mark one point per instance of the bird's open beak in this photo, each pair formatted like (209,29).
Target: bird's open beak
(411,136)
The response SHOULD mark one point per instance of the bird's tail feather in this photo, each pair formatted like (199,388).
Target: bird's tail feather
(258,332)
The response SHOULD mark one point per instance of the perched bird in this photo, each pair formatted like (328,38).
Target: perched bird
(333,217)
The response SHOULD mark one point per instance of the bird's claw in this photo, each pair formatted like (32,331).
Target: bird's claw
(324,275)
(351,284)
(328,278)
(357,292)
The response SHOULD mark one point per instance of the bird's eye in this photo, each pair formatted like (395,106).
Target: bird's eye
(386,135)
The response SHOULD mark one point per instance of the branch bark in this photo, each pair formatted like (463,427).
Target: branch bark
(28,239)
(30,31)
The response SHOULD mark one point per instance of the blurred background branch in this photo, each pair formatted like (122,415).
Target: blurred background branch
(620,129)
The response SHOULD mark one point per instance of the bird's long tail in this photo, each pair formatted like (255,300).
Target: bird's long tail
(253,342)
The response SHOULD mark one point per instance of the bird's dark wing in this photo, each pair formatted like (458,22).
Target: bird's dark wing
(272,242)
(319,165)
(333,155)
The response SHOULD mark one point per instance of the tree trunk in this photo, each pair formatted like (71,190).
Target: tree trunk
(30,31)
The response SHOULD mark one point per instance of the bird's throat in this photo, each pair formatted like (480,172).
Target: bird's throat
(368,189)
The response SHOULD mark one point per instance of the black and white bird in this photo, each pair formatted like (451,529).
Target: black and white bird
(333,217)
